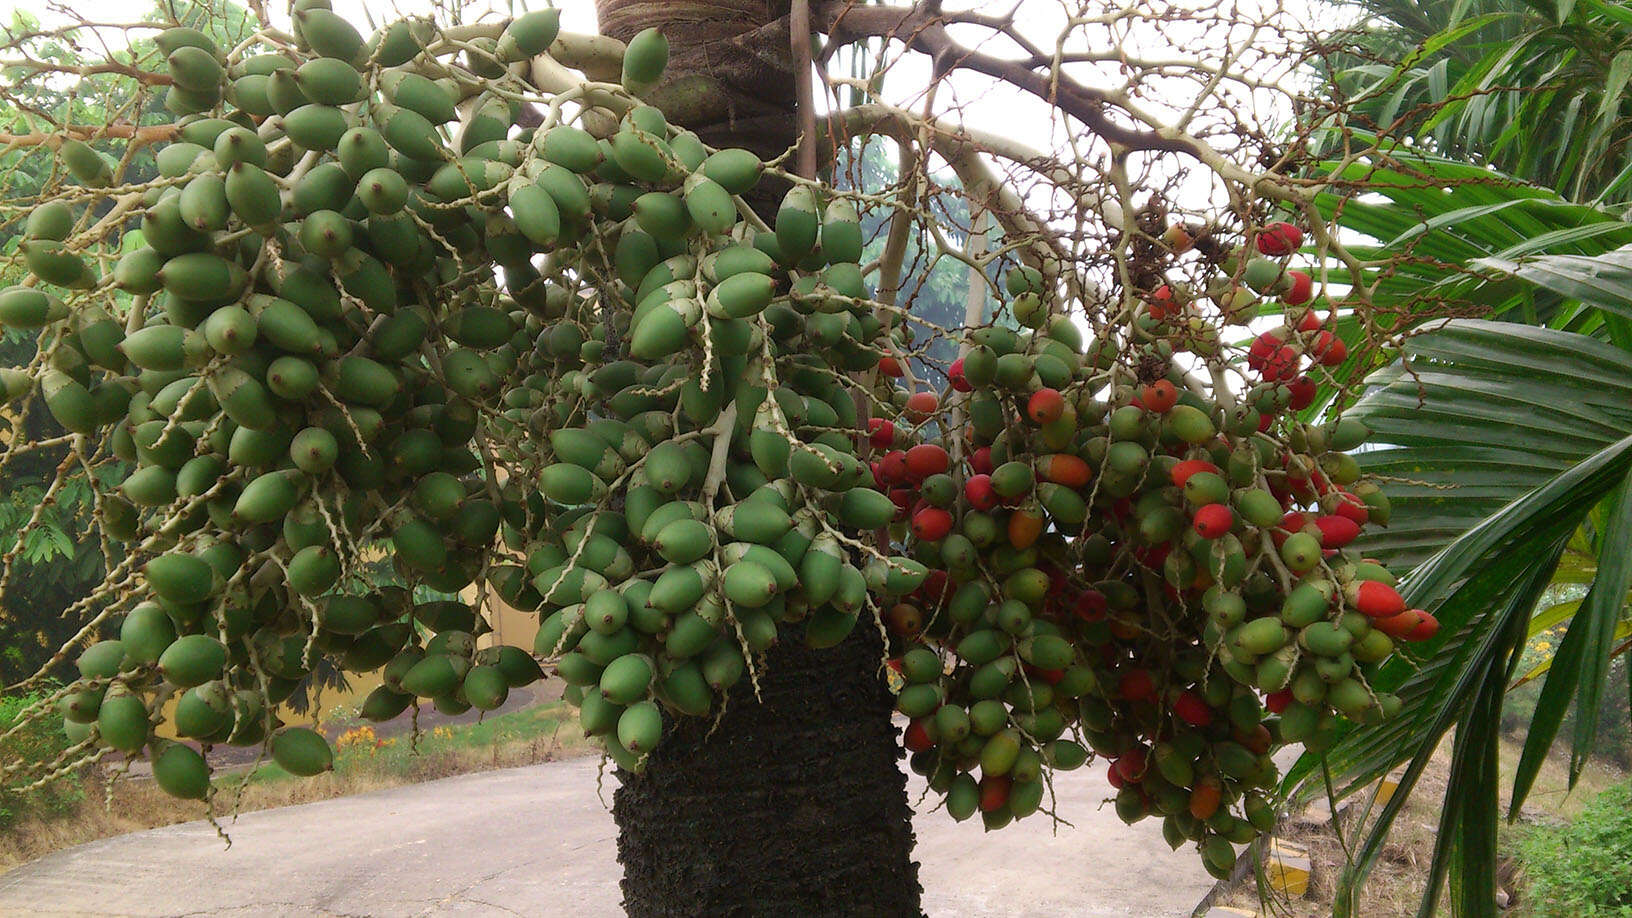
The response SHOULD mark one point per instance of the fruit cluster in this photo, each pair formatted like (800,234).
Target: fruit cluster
(305,356)
(1127,557)
(566,363)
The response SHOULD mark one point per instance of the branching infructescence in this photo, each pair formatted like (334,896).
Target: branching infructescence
(455,287)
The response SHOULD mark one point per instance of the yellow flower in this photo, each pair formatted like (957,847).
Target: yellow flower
(356,736)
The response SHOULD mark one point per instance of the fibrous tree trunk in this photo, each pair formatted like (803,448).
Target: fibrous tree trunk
(794,803)
(730,75)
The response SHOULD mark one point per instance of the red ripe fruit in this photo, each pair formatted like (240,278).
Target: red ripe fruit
(1303,393)
(1337,531)
(1114,777)
(1279,239)
(1277,702)
(1131,764)
(1162,304)
(978,491)
(1136,685)
(954,374)
(1426,627)
(1182,470)
(1310,322)
(980,461)
(1191,709)
(903,500)
(1318,482)
(917,738)
(1290,523)
(1399,626)
(1213,521)
(1045,406)
(1322,346)
(1349,507)
(931,524)
(1265,421)
(892,467)
(880,433)
(1263,347)
(994,792)
(1334,354)
(1153,556)
(926,459)
(935,588)
(1282,364)
(1374,598)
(1160,396)
(920,405)
(889,366)
(1303,288)
(1091,606)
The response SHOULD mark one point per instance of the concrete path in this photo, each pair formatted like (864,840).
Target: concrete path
(535,841)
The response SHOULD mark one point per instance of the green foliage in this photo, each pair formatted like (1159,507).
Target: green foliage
(1451,231)
(1584,869)
(1513,436)
(1536,89)
(1503,441)
(34,740)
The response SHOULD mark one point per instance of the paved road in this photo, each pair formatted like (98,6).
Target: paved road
(535,841)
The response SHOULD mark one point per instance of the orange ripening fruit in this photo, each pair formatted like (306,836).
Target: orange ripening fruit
(1045,406)
(920,405)
(1204,800)
(1160,396)
(1024,528)
(1065,469)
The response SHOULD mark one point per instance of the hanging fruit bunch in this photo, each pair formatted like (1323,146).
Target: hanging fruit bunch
(1132,561)
(292,366)
(387,297)
(316,362)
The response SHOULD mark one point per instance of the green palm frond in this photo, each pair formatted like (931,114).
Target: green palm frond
(1508,448)
(1537,90)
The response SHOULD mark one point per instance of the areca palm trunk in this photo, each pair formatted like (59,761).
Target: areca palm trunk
(793,802)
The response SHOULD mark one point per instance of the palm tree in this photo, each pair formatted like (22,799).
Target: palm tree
(1507,433)
(1536,89)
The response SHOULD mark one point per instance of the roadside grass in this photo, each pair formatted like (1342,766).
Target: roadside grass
(364,762)
(1395,885)
(1582,869)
